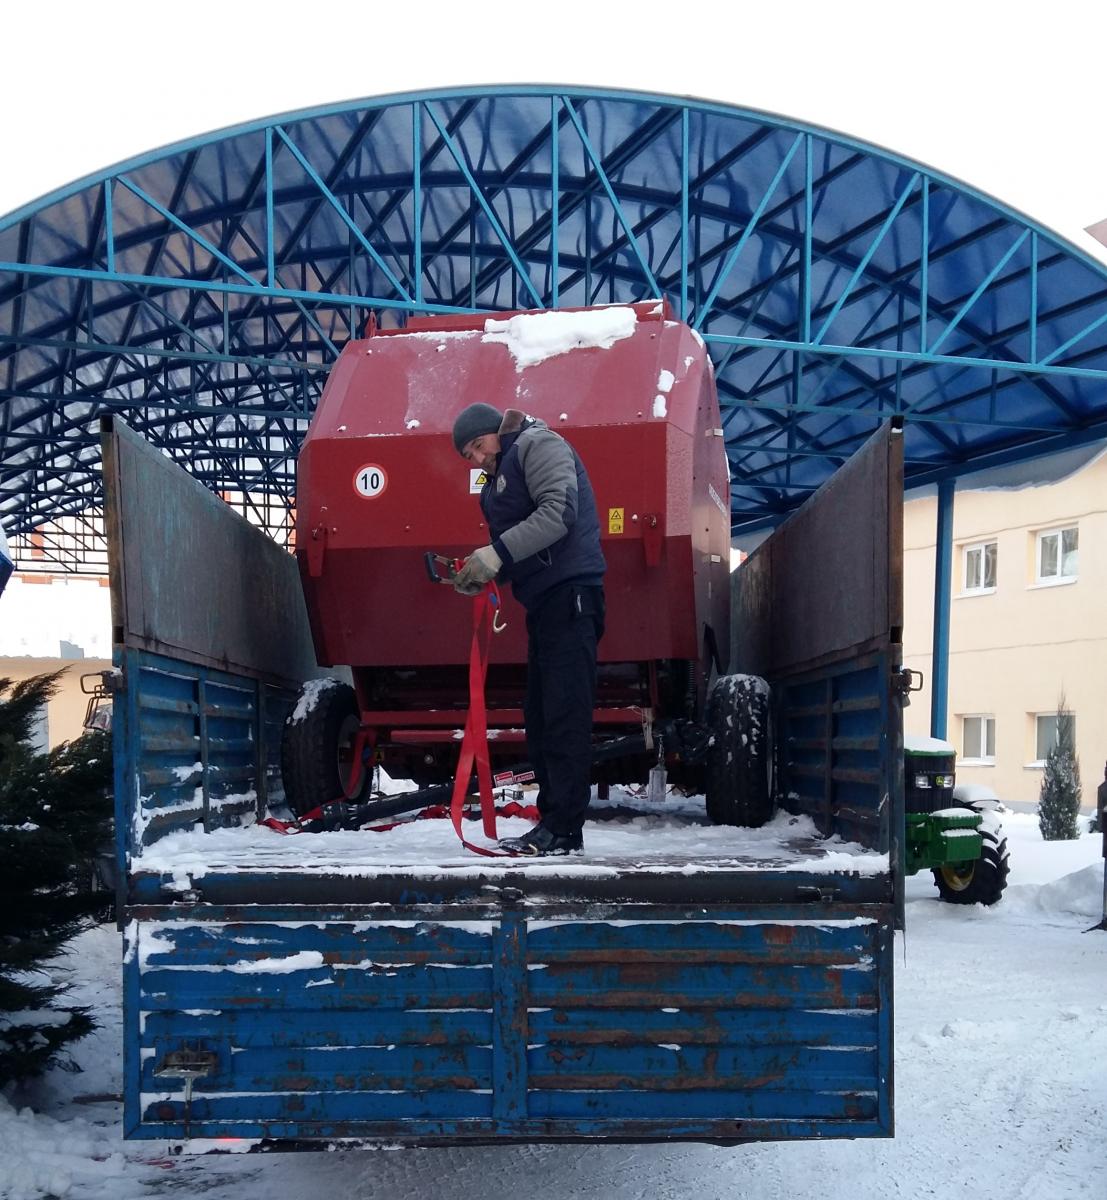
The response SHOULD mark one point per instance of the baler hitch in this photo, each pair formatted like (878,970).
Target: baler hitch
(687,739)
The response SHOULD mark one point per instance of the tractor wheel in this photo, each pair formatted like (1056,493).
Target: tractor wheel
(317,745)
(739,759)
(979,882)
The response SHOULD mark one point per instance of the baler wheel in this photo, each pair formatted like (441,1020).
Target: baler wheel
(316,751)
(740,757)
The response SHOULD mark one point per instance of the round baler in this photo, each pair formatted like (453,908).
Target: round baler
(380,484)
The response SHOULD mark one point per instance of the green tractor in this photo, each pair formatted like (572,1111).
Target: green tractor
(954,832)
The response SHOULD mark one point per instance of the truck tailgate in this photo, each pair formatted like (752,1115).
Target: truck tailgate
(509,1021)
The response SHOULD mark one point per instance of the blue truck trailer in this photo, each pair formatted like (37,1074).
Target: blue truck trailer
(300,996)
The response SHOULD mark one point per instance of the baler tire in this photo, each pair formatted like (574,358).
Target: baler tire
(738,789)
(978,882)
(309,751)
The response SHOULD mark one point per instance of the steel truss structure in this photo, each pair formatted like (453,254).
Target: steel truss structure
(202,291)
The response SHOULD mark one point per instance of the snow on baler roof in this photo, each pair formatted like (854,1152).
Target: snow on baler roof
(606,365)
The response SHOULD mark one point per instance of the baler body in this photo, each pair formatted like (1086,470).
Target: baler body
(380,484)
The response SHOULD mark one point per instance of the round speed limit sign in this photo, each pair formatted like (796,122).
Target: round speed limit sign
(370,481)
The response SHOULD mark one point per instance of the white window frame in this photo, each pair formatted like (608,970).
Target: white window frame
(1040,762)
(981,759)
(972,548)
(1060,578)
(40,731)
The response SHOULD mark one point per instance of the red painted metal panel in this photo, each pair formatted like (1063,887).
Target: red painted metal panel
(380,483)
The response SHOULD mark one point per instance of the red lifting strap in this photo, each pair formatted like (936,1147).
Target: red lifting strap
(474,743)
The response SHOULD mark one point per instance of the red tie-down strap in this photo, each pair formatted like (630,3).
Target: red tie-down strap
(474,743)
(433,812)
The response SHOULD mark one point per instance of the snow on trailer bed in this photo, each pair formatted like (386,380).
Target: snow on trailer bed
(623,834)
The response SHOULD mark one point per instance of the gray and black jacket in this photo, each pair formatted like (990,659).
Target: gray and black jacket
(541,511)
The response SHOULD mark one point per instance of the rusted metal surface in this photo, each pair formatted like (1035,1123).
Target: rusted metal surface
(422,1024)
(828,582)
(818,611)
(192,744)
(173,547)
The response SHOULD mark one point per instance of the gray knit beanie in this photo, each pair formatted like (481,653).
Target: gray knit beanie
(473,421)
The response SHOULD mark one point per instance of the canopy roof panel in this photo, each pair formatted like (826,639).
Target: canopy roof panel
(202,291)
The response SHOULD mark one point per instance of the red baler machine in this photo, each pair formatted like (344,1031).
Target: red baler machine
(380,484)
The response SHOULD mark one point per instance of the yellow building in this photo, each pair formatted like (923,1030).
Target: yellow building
(1028,621)
(63,720)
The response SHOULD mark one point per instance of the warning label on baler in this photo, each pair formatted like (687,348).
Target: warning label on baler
(506,777)
(477,480)
(615,520)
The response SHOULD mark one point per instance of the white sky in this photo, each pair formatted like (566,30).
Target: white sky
(1005,96)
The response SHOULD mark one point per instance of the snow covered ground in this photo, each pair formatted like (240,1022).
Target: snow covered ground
(1001,1086)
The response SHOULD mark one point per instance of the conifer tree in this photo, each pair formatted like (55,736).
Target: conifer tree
(1059,799)
(55,814)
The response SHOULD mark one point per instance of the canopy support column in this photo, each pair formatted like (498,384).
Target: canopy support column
(943,590)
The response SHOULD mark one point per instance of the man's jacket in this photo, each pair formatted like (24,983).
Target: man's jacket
(541,511)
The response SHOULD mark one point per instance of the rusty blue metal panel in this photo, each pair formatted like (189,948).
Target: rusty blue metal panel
(837,748)
(521,1025)
(191,747)
(488,1017)
(510,1031)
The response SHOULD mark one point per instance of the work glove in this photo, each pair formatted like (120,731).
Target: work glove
(480,567)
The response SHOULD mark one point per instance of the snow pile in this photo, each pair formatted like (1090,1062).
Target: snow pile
(917,744)
(43,1157)
(309,697)
(1079,892)
(1009,997)
(533,337)
(974,793)
(626,832)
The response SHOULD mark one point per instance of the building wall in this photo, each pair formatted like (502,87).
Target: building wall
(1014,649)
(66,712)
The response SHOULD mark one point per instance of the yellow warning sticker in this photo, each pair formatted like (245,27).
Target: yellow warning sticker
(615,520)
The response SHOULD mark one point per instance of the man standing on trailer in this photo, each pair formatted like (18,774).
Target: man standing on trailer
(541,513)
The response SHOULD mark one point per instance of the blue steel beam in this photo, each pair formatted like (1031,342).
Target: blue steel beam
(342,214)
(601,174)
(705,309)
(186,229)
(481,199)
(984,284)
(169,283)
(874,245)
(616,278)
(943,597)
(910,356)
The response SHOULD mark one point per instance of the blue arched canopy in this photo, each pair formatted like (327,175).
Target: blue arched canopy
(203,290)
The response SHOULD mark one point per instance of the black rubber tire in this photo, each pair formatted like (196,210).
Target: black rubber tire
(310,747)
(739,759)
(979,882)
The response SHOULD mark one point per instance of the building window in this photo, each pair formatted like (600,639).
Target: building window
(1058,556)
(980,568)
(978,741)
(40,731)
(1046,734)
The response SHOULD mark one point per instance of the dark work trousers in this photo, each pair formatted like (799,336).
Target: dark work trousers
(562,632)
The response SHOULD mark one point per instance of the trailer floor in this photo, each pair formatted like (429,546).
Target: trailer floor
(622,834)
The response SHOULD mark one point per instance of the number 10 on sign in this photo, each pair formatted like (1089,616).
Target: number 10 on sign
(370,481)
